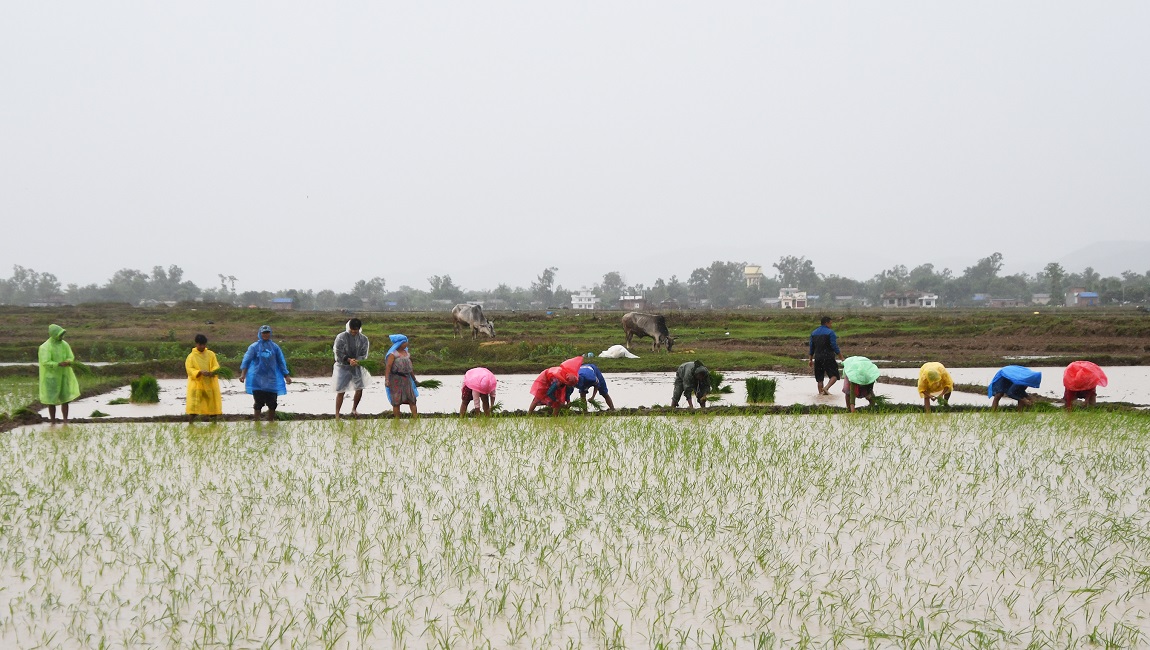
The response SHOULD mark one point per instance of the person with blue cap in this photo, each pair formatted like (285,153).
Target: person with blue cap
(265,373)
(1012,382)
(591,379)
(399,377)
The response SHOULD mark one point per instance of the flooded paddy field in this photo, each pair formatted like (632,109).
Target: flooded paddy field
(628,390)
(991,530)
(312,395)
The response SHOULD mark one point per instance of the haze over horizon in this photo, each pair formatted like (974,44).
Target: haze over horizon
(311,146)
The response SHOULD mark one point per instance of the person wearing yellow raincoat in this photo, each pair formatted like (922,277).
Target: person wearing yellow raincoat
(203,384)
(58,384)
(934,383)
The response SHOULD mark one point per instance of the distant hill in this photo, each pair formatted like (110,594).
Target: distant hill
(1109,258)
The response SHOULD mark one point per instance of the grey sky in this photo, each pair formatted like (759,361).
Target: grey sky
(311,145)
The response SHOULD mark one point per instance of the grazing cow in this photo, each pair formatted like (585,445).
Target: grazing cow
(652,325)
(471,316)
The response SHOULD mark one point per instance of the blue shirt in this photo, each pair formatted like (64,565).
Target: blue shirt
(824,343)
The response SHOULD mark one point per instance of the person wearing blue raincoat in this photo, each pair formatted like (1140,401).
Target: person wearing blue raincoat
(1012,382)
(265,373)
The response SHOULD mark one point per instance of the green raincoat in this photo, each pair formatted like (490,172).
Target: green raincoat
(58,383)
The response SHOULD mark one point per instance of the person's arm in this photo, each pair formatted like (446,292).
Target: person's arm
(994,402)
(463,407)
(246,362)
(69,357)
(835,345)
(811,350)
(387,368)
(366,348)
(850,397)
(44,355)
(283,365)
(192,369)
(926,403)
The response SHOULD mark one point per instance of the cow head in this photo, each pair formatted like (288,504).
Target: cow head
(488,328)
(669,341)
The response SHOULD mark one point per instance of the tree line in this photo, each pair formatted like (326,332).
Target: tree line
(720,285)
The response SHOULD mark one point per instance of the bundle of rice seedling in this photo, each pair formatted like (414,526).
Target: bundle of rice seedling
(224,372)
(80,368)
(145,390)
(760,391)
(429,383)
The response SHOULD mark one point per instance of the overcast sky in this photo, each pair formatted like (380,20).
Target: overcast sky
(310,145)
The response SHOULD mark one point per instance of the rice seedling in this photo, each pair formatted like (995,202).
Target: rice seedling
(145,390)
(786,531)
(224,372)
(429,383)
(760,390)
(118,401)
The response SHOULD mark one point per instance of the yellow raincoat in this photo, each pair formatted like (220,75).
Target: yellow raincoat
(934,380)
(58,383)
(203,392)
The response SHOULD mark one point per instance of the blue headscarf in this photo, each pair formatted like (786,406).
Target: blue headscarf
(396,341)
(1016,375)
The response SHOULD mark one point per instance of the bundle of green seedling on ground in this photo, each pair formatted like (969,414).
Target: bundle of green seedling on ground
(145,390)
(975,530)
(760,390)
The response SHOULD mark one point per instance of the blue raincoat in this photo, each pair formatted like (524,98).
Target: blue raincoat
(1015,375)
(265,366)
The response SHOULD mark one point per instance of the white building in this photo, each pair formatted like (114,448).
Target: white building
(792,298)
(584,300)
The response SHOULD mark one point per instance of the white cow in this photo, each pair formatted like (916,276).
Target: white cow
(471,316)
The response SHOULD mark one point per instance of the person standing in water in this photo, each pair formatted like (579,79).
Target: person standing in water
(823,349)
(58,385)
(399,376)
(350,348)
(203,385)
(265,373)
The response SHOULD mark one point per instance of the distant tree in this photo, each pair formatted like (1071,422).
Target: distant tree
(1090,279)
(443,288)
(797,272)
(697,283)
(544,286)
(981,275)
(372,293)
(610,290)
(348,301)
(725,283)
(1055,275)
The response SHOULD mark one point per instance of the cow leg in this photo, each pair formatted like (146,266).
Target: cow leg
(629,334)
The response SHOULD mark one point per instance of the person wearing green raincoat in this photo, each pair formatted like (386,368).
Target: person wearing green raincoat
(58,385)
